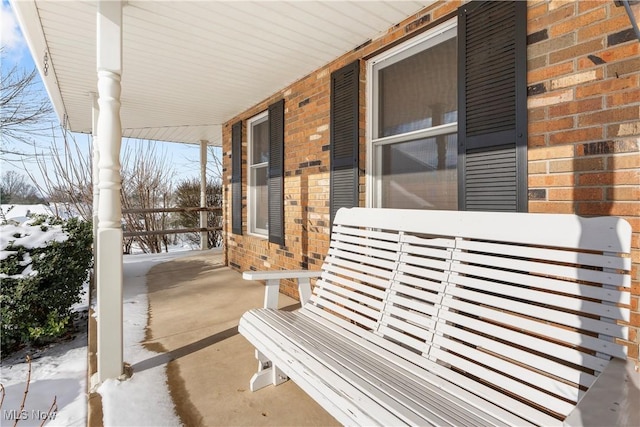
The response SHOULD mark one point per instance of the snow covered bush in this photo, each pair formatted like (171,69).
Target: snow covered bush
(43,265)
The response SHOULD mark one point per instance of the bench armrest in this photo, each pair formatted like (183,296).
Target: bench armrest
(273,278)
(612,400)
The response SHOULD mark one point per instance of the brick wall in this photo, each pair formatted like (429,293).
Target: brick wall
(584,117)
(584,133)
(307,161)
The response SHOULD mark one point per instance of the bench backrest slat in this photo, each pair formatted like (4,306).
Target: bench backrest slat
(556,308)
(571,338)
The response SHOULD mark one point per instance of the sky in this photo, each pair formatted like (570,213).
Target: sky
(185,158)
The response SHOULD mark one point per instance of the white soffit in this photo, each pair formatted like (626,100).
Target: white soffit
(189,66)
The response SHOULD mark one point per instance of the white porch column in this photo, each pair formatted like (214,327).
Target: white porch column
(204,238)
(109,262)
(95,158)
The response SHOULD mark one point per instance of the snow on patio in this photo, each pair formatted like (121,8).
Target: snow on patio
(61,369)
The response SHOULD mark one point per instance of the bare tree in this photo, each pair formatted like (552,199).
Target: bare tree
(15,189)
(25,113)
(187,194)
(66,170)
(146,183)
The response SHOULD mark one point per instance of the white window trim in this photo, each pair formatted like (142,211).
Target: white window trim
(372,182)
(251,229)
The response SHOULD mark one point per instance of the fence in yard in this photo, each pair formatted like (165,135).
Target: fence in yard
(149,223)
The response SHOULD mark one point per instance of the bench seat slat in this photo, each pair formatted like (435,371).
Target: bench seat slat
(543,298)
(603,277)
(346,364)
(452,382)
(555,333)
(388,378)
(554,255)
(303,369)
(549,348)
(548,283)
(566,319)
(401,337)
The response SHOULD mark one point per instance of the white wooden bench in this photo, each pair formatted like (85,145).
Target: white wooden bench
(455,318)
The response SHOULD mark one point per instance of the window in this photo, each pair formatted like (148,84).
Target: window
(257,165)
(413,123)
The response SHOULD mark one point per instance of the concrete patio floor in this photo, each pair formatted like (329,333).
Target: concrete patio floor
(195,304)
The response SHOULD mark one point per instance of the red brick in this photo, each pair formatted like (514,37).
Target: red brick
(551,153)
(580,193)
(605,87)
(623,98)
(580,49)
(575,107)
(546,73)
(579,21)
(603,28)
(551,125)
(555,180)
(618,52)
(585,5)
(551,207)
(577,164)
(610,116)
(610,178)
(544,20)
(577,135)
(631,194)
(624,162)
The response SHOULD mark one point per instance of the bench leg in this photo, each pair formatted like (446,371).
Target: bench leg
(267,374)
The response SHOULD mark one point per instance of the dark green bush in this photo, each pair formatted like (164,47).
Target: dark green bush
(37,308)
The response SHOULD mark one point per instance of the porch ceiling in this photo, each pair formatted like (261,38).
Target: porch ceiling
(189,66)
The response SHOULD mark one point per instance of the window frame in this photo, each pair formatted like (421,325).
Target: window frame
(252,230)
(404,50)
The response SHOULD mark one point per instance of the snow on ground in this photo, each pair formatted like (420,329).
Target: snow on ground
(56,371)
(142,400)
(60,371)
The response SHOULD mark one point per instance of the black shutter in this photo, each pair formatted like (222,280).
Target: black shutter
(236,178)
(345,124)
(276,172)
(492,103)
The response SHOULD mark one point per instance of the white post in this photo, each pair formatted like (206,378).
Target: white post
(95,158)
(204,238)
(109,262)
